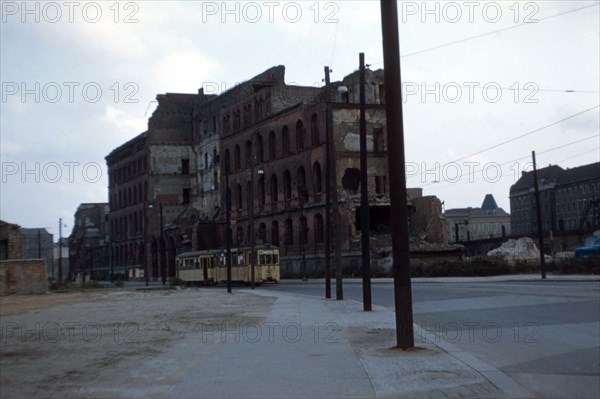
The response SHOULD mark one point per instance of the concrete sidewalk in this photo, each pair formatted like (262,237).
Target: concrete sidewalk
(304,347)
(205,343)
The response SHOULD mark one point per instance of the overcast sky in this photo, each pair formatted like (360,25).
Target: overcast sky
(485,84)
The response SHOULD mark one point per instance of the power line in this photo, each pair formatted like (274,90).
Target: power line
(474,171)
(489,33)
(503,175)
(524,135)
(577,155)
(528,133)
(519,88)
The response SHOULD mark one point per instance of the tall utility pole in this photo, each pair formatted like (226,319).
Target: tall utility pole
(364,195)
(146,271)
(336,221)
(303,236)
(228,225)
(538,212)
(327,189)
(60,250)
(251,232)
(163,244)
(396,167)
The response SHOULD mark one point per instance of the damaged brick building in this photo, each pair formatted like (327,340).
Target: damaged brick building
(89,242)
(168,186)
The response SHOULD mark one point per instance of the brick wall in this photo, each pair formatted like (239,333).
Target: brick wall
(23,277)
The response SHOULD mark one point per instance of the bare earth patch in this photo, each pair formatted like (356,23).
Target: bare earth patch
(13,304)
(85,344)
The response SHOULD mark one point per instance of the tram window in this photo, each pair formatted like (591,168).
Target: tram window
(262,260)
(275,261)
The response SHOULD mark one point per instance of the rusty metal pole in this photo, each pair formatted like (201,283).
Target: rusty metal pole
(396,170)
(327,190)
(163,256)
(538,213)
(228,228)
(364,195)
(251,232)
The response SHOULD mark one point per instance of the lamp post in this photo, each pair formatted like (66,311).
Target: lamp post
(251,232)
(228,225)
(327,189)
(163,257)
(146,276)
(303,237)
(331,225)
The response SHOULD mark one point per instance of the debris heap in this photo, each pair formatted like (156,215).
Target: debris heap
(522,249)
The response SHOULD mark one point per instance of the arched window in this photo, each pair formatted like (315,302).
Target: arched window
(275,233)
(274,191)
(239,238)
(228,198)
(249,196)
(261,192)
(316,177)
(319,235)
(314,130)
(227,160)
(262,233)
(287,186)
(260,155)
(249,160)
(237,156)
(300,133)
(238,197)
(302,191)
(285,141)
(272,146)
(235,120)
(247,114)
(289,232)
(249,233)
(303,232)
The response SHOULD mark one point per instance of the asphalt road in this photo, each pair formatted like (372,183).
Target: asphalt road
(544,335)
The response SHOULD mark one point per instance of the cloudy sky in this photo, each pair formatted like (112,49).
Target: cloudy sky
(485,83)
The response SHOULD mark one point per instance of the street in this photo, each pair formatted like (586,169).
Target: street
(545,335)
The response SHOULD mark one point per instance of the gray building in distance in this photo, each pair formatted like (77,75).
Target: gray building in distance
(469,224)
(570,200)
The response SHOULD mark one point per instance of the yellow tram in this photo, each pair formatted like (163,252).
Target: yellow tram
(210,266)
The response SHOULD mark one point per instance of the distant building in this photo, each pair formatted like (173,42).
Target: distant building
(470,224)
(570,200)
(89,242)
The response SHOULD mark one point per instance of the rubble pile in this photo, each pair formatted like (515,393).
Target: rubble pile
(522,249)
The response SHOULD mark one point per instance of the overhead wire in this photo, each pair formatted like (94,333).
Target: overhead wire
(490,33)
(474,171)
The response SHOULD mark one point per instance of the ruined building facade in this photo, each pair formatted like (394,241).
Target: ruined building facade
(89,241)
(267,140)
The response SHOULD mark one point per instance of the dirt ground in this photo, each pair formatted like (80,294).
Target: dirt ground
(13,304)
(56,345)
